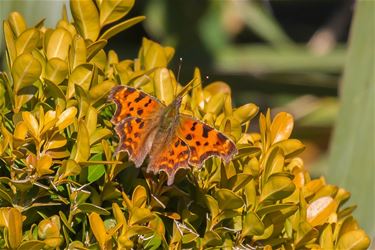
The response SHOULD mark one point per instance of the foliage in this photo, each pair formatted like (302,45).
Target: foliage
(61,186)
(355,168)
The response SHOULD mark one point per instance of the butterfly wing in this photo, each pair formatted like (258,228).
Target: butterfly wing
(136,119)
(204,141)
(170,158)
(132,102)
(136,137)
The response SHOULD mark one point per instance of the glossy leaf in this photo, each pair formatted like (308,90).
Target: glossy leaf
(228,199)
(83,144)
(25,71)
(121,27)
(15,228)
(27,41)
(86,18)
(58,44)
(113,10)
(56,70)
(354,240)
(277,187)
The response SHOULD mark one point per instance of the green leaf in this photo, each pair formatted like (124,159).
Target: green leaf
(113,10)
(228,199)
(86,18)
(95,171)
(91,208)
(252,225)
(121,27)
(352,148)
(276,188)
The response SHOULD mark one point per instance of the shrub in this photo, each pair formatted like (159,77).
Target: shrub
(61,186)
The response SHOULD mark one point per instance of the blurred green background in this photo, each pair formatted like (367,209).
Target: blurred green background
(314,59)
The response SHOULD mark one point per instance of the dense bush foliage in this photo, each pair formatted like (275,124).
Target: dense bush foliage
(61,186)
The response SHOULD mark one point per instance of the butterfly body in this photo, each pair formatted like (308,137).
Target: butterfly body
(171,139)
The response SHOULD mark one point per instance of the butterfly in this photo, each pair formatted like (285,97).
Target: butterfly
(146,126)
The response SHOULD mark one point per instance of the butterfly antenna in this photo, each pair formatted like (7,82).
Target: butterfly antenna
(179,69)
(186,88)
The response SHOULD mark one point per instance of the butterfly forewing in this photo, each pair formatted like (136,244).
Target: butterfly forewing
(136,120)
(204,141)
(132,102)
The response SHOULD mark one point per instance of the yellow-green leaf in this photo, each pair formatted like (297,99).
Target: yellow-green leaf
(9,41)
(66,118)
(121,27)
(71,168)
(113,10)
(14,228)
(276,188)
(94,48)
(98,228)
(246,112)
(59,43)
(25,71)
(227,199)
(354,240)
(56,70)
(80,76)
(83,143)
(77,52)
(281,127)
(86,18)
(27,41)
(17,23)
(252,225)
(319,210)
(164,85)
(31,123)
(43,165)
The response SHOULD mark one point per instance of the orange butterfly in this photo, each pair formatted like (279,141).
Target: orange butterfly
(173,140)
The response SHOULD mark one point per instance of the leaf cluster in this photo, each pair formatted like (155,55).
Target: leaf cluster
(62,187)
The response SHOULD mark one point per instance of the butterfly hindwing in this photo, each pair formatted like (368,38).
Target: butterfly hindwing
(132,102)
(204,141)
(173,156)
(136,136)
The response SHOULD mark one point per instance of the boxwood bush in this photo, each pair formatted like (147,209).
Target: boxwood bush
(61,186)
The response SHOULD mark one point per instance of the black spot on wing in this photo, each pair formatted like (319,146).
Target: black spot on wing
(189,137)
(221,137)
(140,112)
(140,97)
(206,130)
